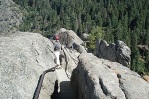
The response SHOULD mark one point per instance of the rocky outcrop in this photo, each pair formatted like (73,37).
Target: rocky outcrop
(23,58)
(70,40)
(118,52)
(71,49)
(10,17)
(85,36)
(96,78)
(69,60)
(146,77)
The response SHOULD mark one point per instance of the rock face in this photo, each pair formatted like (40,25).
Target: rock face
(70,40)
(96,78)
(10,17)
(23,58)
(85,36)
(118,52)
(71,49)
(70,60)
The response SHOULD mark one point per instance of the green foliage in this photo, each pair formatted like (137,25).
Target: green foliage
(96,33)
(147,62)
(138,65)
(125,20)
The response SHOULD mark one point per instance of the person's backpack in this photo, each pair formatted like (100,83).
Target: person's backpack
(57,46)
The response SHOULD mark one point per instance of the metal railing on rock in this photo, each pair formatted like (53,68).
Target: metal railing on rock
(38,88)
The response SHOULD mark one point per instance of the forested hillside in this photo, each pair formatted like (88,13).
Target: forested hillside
(126,20)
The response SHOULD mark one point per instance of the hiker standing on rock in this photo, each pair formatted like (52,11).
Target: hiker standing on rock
(57,48)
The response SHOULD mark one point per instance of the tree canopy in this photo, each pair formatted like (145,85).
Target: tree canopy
(126,20)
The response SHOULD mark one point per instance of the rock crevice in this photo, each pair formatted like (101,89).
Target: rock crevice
(102,79)
(118,52)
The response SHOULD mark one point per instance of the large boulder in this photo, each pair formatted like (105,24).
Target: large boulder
(118,52)
(85,36)
(10,17)
(71,49)
(23,58)
(96,78)
(70,40)
(72,46)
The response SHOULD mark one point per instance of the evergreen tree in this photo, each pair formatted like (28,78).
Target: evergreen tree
(125,20)
(96,33)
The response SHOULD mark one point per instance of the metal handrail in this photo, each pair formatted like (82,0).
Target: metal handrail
(37,91)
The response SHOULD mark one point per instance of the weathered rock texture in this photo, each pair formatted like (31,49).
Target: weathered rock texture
(96,78)
(70,40)
(23,58)
(70,60)
(118,52)
(85,36)
(71,49)
(10,17)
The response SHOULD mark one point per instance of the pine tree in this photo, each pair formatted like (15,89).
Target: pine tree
(96,33)
(126,20)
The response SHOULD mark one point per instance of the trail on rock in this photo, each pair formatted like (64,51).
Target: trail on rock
(65,89)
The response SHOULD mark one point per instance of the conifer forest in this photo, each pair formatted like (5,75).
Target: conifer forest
(112,20)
